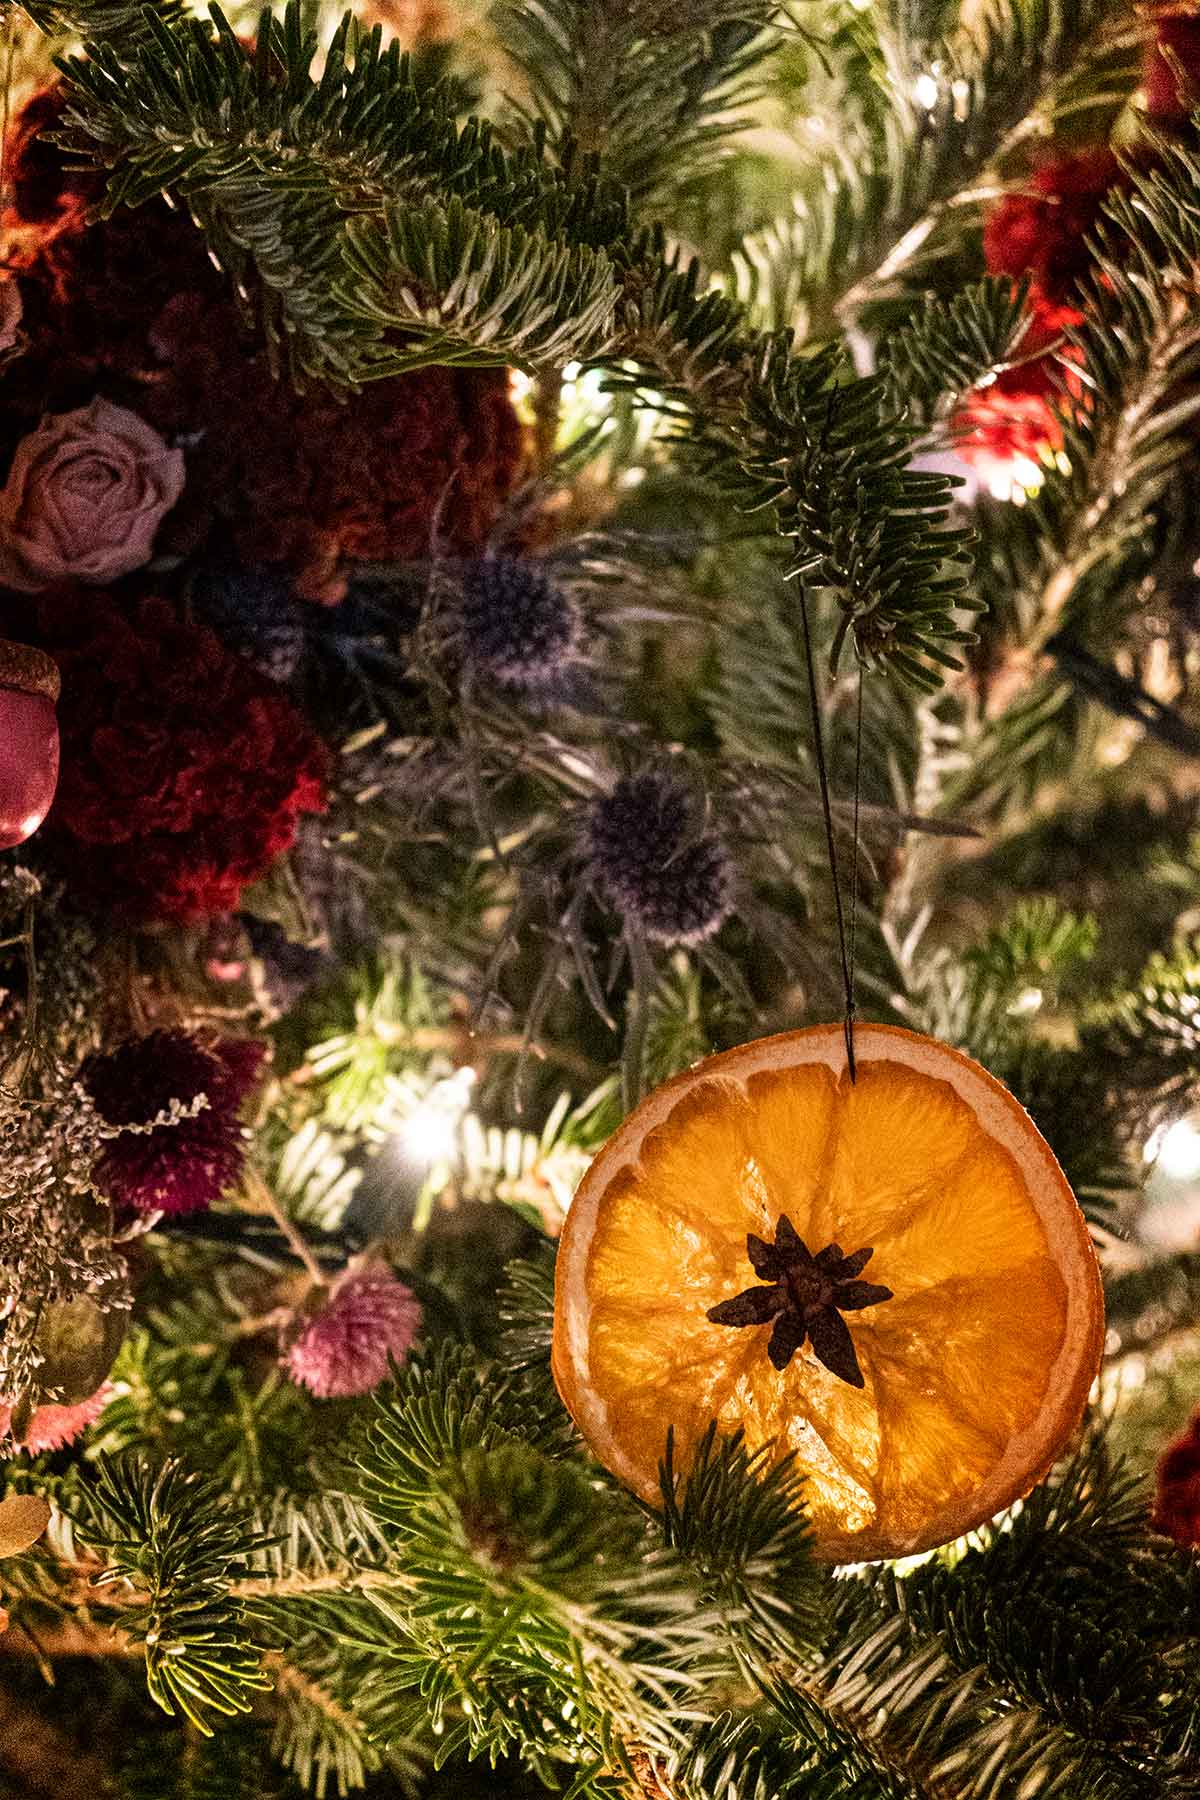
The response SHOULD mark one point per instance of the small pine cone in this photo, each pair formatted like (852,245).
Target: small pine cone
(656,869)
(518,625)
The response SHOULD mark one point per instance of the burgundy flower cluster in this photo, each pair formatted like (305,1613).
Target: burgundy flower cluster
(184,771)
(179,1165)
(133,304)
(1041,233)
(142,435)
(1176,1510)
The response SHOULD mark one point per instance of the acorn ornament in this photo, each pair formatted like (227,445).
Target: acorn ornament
(29,684)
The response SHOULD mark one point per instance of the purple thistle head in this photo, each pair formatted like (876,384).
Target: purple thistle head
(654,862)
(344,1348)
(179,1168)
(518,625)
(255,613)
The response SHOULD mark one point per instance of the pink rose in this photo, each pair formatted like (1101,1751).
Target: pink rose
(84,497)
(11,309)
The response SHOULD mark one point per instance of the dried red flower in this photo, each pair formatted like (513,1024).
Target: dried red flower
(344,1348)
(1015,419)
(184,770)
(316,484)
(173,1168)
(1177,1497)
(1171,70)
(53,1427)
(308,481)
(42,189)
(1042,231)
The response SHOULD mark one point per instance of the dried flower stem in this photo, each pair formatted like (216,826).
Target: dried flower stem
(260,1194)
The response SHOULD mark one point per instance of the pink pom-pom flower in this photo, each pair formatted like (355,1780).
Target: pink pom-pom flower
(344,1348)
(53,1427)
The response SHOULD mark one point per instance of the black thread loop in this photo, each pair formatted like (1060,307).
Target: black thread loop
(830,839)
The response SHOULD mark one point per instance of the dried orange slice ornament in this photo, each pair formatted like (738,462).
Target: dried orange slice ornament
(890,1278)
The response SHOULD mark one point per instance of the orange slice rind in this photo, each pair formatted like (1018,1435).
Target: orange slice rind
(976,1371)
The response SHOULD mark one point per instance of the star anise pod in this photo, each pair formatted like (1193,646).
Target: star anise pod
(806,1296)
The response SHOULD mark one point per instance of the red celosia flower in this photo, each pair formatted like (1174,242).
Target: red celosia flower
(1043,231)
(1171,73)
(184,771)
(345,1347)
(42,189)
(178,1168)
(1014,421)
(1007,428)
(52,1427)
(132,306)
(1177,1498)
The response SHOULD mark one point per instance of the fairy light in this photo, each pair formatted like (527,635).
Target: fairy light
(1174,1149)
(926,91)
(1014,478)
(430,1132)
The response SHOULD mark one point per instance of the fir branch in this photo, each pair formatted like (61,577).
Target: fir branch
(443,1403)
(597,70)
(526,1305)
(1150,1035)
(954,345)
(896,174)
(1139,366)
(319,1735)
(275,163)
(1106,1665)
(833,459)
(101,21)
(486,259)
(176,1538)
(740,1522)
(535,1579)
(464,289)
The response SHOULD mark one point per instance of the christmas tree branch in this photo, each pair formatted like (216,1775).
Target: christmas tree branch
(596,73)
(912,159)
(496,256)
(1106,514)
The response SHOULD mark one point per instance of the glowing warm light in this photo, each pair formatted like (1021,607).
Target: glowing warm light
(925,91)
(1027,1001)
(1175,1149)
(30,823)
(430,1132)
(1011,478)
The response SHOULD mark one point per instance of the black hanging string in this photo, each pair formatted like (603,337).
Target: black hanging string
(846,954)
(854,864)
